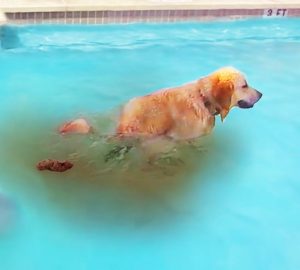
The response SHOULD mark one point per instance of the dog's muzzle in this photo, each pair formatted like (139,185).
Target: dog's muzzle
(245,104)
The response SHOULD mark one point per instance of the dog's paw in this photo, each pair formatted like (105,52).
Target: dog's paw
(118,153)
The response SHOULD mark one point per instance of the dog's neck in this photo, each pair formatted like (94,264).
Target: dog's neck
(204,89)
(210,107)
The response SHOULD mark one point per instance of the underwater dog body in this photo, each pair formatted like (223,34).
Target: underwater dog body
(157,122)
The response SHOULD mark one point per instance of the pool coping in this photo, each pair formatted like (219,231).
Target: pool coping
(99,5)
(130,11)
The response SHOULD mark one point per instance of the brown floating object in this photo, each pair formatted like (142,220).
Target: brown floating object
(79,126)
(54,165)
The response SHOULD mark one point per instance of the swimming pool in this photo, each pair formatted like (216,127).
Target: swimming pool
(239,209)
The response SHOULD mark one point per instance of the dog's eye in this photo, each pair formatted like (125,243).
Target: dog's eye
(245,85)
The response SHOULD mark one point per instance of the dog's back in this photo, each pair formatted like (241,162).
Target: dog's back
(174,112)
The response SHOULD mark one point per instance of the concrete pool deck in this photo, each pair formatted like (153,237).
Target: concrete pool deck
(43,6)
(91,5)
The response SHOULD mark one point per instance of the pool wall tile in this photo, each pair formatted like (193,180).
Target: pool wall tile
(135,16)
(294,12)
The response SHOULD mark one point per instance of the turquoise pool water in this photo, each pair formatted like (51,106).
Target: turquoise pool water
(237,208)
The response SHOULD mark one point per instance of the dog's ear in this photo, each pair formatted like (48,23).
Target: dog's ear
(222,92)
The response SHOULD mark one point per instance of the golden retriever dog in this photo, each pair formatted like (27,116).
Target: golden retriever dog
(183,112)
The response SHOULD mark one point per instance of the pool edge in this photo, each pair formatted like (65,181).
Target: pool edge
(131,11)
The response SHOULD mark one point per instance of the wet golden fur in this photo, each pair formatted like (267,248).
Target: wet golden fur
(187,111)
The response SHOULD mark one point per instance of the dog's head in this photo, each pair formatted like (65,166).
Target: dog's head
(227,88)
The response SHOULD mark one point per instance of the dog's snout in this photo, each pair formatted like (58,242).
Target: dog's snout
(249,102)
(244,104)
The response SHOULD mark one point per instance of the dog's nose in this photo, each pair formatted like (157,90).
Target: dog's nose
(259,95)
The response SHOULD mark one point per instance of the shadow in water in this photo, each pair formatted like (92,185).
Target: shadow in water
(9,37)
(94,192)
